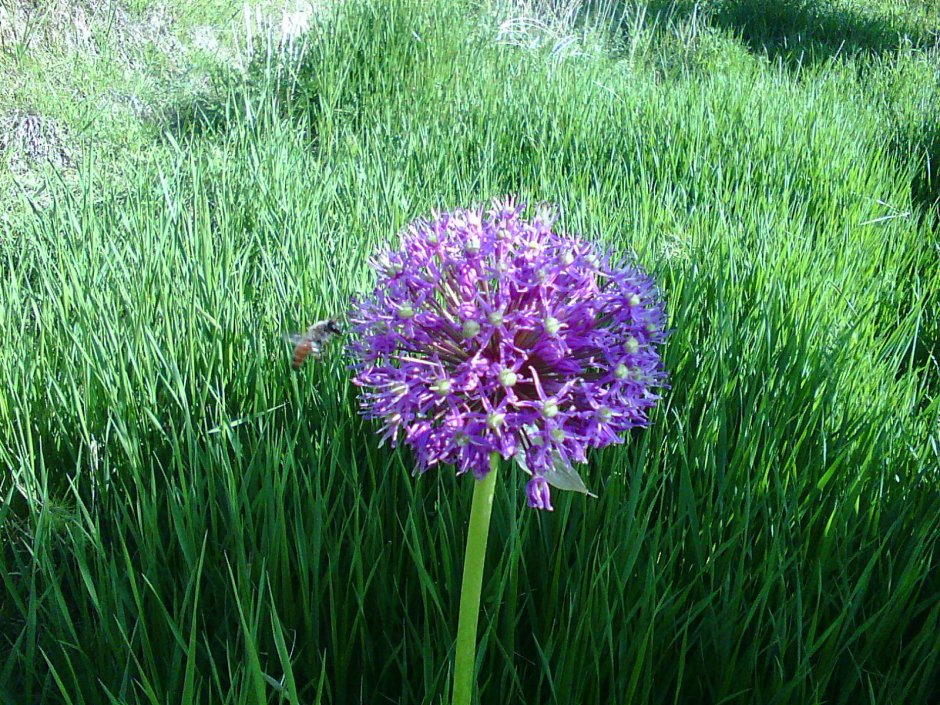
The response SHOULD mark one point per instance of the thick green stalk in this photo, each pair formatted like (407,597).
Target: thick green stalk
(480,511)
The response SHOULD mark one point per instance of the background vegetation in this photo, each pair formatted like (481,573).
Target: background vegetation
(185,520)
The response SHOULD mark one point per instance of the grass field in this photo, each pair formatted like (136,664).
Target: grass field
(184,519)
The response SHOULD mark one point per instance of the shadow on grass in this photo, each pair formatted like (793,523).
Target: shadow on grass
(797,32)
(914,138)
(196,117)
(925,187)
(800,34)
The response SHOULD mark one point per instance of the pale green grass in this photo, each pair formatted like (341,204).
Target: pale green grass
(111,74)
(186,520)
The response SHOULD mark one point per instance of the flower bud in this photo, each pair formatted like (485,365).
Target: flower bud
(442,387)
(472,245)
(508,378)
(470,328)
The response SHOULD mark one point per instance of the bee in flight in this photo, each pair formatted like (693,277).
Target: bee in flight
(313,341)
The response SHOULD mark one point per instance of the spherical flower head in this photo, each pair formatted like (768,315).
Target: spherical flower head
(491,333)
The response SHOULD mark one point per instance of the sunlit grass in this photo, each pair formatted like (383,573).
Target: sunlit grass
(186,520)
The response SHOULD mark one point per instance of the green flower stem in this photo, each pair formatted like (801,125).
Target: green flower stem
(480,511)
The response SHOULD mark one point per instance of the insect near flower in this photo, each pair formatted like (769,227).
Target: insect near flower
(313,341)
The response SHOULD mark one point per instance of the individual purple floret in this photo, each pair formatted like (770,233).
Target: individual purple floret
(490,333)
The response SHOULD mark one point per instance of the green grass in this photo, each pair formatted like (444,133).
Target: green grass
(111,73)
(186,520)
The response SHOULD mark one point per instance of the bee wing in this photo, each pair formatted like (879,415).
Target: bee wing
(319,330)
(294,338)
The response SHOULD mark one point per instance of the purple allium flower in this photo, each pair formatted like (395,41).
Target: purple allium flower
(490,333)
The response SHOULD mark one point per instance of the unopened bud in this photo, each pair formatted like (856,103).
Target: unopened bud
(470,328)
(495,419)
(442,387)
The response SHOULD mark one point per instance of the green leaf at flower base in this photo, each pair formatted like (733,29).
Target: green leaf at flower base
(561,475)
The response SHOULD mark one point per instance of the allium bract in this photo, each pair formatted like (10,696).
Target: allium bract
(488,333)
